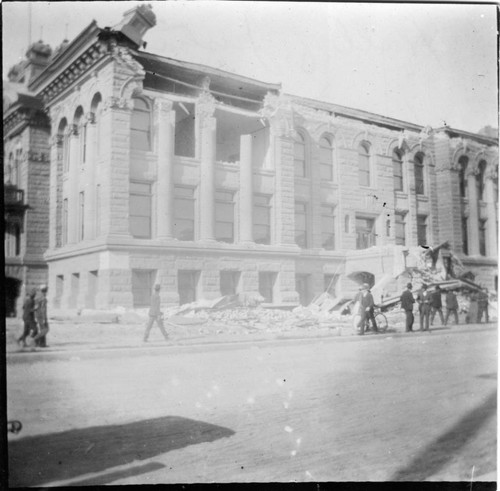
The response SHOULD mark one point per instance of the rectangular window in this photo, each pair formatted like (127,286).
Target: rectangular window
(184,213)
(398,175)
(81,216)
(224,216)
(142,286)
(400,229)
(266,286)
(482,237)
(140,210)
(187,285)
(229,281)
(326,163)
(184,129)
(300,158)
(465,236)
(302,288)
(262,219)
(327,227)
(365,232)
(12,240)
(75,290)
(59,290)
(92,288)
(422,230)
(65,222)
(301,224)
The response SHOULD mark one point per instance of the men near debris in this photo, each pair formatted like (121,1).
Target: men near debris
(451,306)
(482,307)
(28,317)
(42,318)
(407,302)
(155,314)
(424,307)
(436,305)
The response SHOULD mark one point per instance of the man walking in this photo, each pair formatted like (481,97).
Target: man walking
(436,305)
(28,317)
(451,306)
(407,302)
(482,306)
(155,314)
(366,309)
(424,307)
(42,318)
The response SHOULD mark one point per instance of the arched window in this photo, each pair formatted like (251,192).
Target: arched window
(140,136)
(463,161)
(419,174)
(299,152)
(9,169)
(364,164)
(95,108)
(397,168)
(326,158)
(80,133)
(480,180)
(63,136)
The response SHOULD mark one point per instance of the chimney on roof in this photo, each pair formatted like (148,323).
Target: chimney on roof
(136,22)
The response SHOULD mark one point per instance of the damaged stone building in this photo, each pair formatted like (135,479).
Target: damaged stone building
(209,183)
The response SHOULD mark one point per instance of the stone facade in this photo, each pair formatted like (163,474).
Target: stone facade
(162,172)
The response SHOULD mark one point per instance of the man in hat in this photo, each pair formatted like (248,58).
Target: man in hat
(424,307)
(155,314)
(482,306)
(436,305)
(451,306)
(42,318)
(367,307)
(407,302)
(28,317)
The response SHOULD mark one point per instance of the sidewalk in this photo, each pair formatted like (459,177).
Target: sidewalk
(83,333)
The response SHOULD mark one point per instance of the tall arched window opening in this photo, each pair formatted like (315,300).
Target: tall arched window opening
(326,158)
(299,152)
(463,161)
(364,164)
(140,136)
(480,180)
(397,168)
(419,174)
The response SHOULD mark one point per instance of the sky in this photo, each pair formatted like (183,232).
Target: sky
(422,63)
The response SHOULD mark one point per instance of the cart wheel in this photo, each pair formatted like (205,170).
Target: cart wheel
(381,321)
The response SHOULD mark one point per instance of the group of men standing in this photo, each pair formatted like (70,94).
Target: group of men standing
(36,325)
(430,304)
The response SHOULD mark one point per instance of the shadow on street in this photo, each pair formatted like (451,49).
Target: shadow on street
(41,459)
(436,455)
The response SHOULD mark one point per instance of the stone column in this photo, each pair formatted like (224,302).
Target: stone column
(165,169)
(91,163)
(55,192)
(74,175)
(491,213)
(208,124)
(473,222)
(246,189)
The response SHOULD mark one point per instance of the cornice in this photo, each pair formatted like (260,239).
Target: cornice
(23,117)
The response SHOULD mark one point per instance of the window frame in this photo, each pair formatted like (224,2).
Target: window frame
(326,168)
(149,217)
(300,141)
(267,206)
(397,165)
(218,201)
(364,164)
(306,225)
(419,174)
(139,130)
(400,226)
(366,237)
(180,202)
(422,223)
(326,236)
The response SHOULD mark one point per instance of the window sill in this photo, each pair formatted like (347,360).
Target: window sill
(422,197)
(401,194)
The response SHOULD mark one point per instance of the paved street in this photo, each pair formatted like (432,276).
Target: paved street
(408,407)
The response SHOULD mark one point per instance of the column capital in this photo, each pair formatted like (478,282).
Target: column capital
(279,114)
(56,140)
(163,106)
(205,106)
(491,172)
(118,103)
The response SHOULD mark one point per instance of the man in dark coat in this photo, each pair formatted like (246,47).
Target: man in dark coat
(28,317)
(42,318)
(407,302)
(367,308)
(451,306)
(155,314)
(436,305)
(482,306)
(424,307)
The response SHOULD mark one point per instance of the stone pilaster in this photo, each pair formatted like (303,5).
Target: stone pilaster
(165,170)
(55,192)
(91,163)
(74,173)
(473,222)
(246,189)
(491,213)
